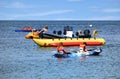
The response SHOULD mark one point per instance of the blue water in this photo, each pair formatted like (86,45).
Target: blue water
(22,59)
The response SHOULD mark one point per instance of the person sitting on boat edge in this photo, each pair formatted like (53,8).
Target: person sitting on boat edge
(83,47)
(61,49)
(43,30)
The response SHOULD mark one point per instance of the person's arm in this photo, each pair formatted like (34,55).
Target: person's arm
(45,30)
(41,30)
(65,51)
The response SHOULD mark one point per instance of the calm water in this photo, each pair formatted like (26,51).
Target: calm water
(22,59)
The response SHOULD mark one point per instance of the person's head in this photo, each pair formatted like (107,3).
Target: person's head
(85,43)
(60,44)
(79,32)
(46,27)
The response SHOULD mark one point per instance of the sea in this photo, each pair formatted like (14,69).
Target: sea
(21,58)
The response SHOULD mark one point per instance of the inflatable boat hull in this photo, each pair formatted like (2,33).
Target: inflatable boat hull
(69,42)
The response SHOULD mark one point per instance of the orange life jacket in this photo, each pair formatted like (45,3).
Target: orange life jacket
(23,28)
(60,48)
(83,46)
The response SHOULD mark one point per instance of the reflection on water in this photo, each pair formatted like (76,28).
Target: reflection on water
(83,58)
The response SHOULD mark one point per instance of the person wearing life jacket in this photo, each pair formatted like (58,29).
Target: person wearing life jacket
(27,28)
(95,33)
(83,47)
(30,28)
(61,49)
(22,28)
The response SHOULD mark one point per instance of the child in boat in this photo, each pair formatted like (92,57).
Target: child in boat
(61,49)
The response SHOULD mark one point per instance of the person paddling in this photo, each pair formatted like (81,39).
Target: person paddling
(83,47)
(61,49)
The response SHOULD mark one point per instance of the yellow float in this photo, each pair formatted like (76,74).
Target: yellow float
(32,35)
(69,42)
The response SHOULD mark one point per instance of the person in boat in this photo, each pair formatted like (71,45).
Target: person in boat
(29,28)
(80,34)
(61,49)
(87,33)
(83,47)
(43,30)
(22,28)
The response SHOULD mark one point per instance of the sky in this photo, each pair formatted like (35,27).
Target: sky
(59,9)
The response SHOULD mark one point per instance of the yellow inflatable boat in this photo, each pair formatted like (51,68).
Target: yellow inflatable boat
(69,42)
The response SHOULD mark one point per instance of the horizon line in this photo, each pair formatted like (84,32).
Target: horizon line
(59,20)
